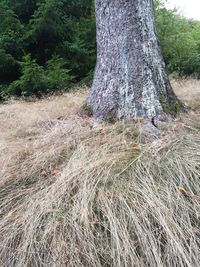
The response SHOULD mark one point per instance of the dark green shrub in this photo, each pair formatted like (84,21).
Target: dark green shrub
(35,80)
(192,66)
(9,67)
(32,81)
(58,77)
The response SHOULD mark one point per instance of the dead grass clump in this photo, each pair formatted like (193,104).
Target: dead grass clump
(80,194)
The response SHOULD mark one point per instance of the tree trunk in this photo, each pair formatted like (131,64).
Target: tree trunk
(130,79)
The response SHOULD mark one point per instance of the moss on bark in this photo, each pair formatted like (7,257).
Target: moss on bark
(172,107)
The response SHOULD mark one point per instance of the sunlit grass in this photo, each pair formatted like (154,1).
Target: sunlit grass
(77,193)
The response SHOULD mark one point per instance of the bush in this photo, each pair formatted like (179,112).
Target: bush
(179,38)
(192,66)
(35,80)
(9,67)
(32,82)
(58,77)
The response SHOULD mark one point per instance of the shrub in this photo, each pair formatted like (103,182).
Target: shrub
(32,81)
(9,67)
(58,77)
(192,66)
(35,80)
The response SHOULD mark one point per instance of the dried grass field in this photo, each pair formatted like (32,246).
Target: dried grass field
(75,193)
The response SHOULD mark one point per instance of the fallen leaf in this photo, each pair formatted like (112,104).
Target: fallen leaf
(102,131)
(182,190)
(187,194)
(57,170)
(134,147)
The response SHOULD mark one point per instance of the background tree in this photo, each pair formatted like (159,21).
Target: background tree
(177,38)
(46,29)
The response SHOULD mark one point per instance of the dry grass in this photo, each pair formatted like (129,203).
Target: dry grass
(76,195)
(189,91)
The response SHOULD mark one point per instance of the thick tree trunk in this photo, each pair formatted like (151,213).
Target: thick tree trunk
(130,79)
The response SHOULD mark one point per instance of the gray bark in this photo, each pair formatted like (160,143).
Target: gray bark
(130,78)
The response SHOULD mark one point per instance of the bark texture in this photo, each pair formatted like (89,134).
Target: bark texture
(130,79)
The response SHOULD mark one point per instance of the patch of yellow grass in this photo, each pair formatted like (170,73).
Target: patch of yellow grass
(188,91)
(73,193)
(26,125)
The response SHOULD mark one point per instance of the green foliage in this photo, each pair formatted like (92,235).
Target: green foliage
(58,77)
(44,28)
(24,9)
(47,28)
(82,48)
(32,82)
(9,21)
(192,66)
(36,80)
(9,67)
(179,39)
